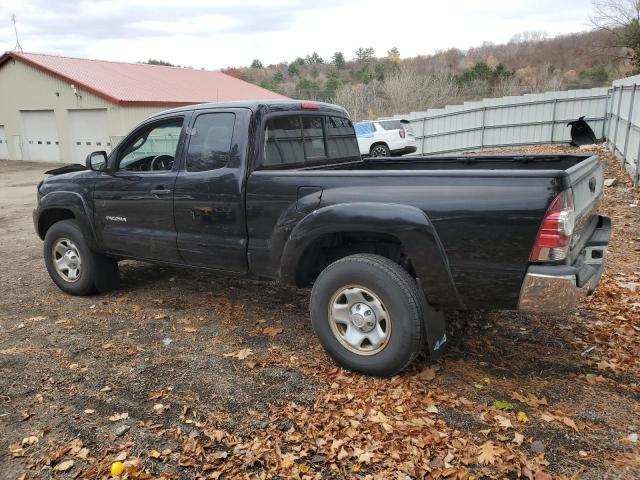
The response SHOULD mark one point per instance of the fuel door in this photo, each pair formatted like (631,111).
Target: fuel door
(308,199)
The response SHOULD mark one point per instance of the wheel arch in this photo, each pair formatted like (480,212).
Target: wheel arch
(407,227)
(379,142)
(58,206)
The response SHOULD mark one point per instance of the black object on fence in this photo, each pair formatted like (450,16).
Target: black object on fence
(581,133)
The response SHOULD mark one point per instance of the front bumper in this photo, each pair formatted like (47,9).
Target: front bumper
(558,288)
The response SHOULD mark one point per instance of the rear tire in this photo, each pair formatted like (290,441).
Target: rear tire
(73,267)
(367,314)
(380,150)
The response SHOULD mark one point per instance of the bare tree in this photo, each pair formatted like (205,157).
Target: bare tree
(408,90)
(362,101)
(622,19)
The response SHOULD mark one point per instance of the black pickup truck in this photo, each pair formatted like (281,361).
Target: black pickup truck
(277,189)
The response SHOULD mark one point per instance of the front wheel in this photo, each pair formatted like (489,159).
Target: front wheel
(73,267)
(367,314)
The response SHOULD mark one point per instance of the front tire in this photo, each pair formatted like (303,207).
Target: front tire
(367,314)
(73,267)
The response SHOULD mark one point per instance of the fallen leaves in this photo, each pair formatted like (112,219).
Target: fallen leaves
(518,438)
(503,405)
(31,440)
(427,374)
(63,466)
(272,331)
(488,453)
(159,408)
(431,408)
(414,425)
(550,417)
(118,416)
(530,399)
(240,354)
(503,421)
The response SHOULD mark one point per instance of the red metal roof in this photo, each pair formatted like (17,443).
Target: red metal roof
(142,84)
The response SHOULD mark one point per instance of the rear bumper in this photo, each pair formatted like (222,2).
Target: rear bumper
(404,150)
(558,288)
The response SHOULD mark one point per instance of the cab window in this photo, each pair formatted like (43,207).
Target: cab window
(293,141)
(152,149)
(210,142)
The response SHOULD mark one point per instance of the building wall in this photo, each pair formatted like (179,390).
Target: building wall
(23,87)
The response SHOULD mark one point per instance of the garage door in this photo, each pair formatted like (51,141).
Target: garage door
(4,150)
(89,133)
(40,135)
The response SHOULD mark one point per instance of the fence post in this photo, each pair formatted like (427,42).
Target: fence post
(610,115)
(484,110)
(553,118)
(615,132)
(636,179)
(604,115)
(424,133)
(626,137)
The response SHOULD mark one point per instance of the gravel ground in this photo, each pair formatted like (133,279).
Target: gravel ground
(184,374)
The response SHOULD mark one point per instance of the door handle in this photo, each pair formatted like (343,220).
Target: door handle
(160,191)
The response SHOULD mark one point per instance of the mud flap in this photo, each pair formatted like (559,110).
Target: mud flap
(435,326)
(108,277)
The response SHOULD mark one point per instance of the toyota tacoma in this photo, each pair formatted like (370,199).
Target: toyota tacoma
(277,189)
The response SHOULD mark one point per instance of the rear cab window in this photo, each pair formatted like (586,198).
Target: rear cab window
(299,140)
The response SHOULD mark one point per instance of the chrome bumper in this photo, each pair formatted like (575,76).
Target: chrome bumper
(556,289)
(551,293)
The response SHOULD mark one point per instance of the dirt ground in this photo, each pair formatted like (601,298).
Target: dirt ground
(183,374)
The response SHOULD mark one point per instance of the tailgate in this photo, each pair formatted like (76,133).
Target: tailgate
(586,181)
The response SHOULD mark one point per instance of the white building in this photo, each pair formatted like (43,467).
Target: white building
(59,109)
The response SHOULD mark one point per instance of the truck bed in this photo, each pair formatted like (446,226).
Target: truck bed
(486,210)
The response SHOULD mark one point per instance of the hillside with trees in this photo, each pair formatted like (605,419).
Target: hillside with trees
(370,84)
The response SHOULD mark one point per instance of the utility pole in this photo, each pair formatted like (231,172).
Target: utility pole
(18,47)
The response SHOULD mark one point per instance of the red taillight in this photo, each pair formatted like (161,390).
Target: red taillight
(310,106)
(554,236)
(402,133)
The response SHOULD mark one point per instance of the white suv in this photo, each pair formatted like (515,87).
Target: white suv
(383,138)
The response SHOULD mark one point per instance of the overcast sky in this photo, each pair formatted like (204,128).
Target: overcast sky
(220,33)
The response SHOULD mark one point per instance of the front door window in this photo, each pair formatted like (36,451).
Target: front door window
(153,149)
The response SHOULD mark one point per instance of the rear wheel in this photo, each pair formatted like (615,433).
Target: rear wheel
(380,150)
(367,314)
(73,267)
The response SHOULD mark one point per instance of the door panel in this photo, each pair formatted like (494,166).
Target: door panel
(134,221)
(208,201)
(41,135)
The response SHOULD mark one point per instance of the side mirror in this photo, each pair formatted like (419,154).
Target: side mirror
(97,161)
